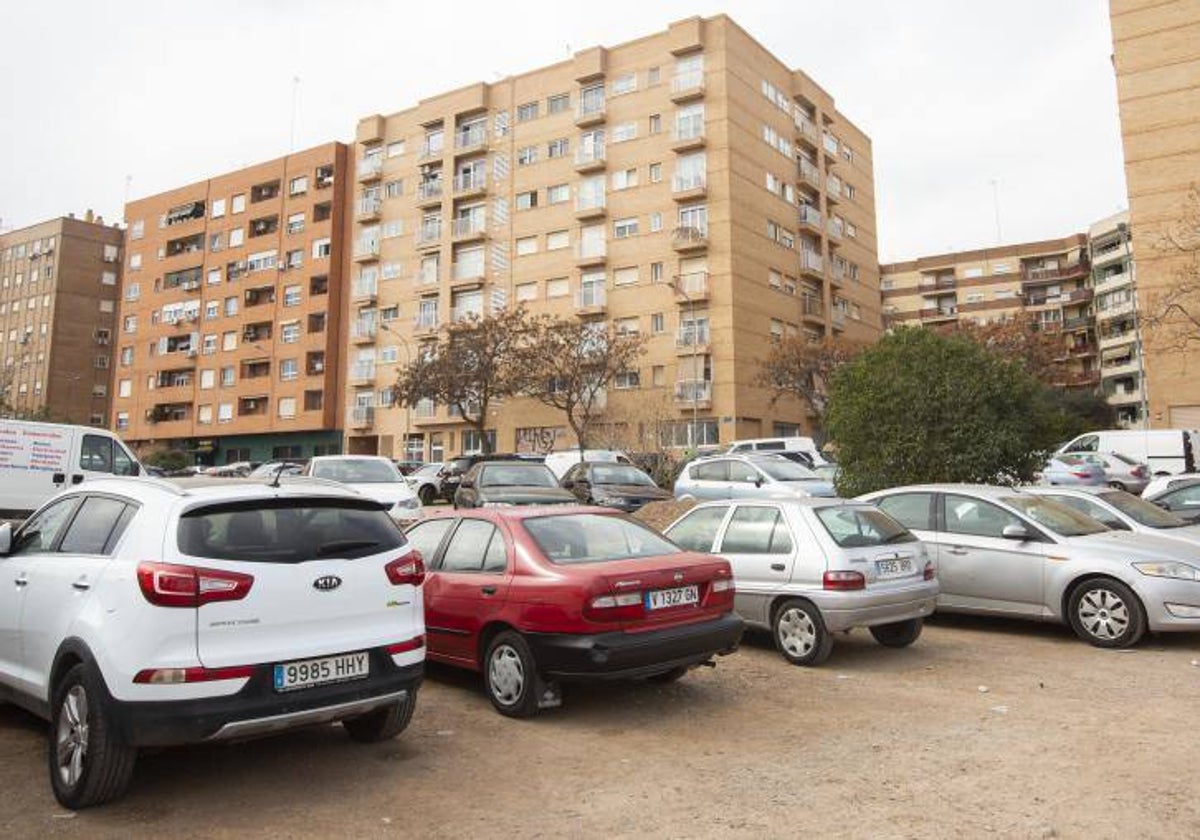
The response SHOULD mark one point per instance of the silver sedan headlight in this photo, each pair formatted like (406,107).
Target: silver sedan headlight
(408,504)
(1168,569)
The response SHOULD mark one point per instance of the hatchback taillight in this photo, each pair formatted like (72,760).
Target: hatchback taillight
(173,585)
(407,570)
(1140,471)
(1081,474)
(930,572)
(842,581)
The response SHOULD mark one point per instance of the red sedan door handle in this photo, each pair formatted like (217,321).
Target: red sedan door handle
(488,590)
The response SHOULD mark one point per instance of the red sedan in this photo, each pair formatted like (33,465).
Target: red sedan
(535,596)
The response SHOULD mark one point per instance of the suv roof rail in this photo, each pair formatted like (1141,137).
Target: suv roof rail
(161,483)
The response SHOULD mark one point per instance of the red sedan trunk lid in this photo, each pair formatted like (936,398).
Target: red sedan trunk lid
(676,578)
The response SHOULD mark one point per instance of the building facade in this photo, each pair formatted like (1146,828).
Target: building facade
(687,185)
(1118,331)
(59,284)
(229,341)
(1156,54)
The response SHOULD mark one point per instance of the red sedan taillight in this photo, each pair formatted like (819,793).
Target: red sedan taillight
(409,569)
(172,585)
(841,581)
(627,605)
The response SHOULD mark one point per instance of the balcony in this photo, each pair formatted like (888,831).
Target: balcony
(468,227)
(693,286)
(424,411)
(936,314)
(1123,396)
(470,138)
(169,413)
(689,186)
(365,290)
(590,113)
(809,173)
(807,129)
(833,189)
(370,168)
(366,250)
(590,158)
(692,340)
(459,314)
(256,406)
(368,209)
(811,264)
(591,253)
(1036,276)
(1081,379)
(810,218)
(256,369)
(837,317)
(688,134)
(429,192)
(687,238)
(431,149)
(591,299)
(429,235)
(362,372)
(1116,339)
(590,207)
(811,309)
(258,331)
(693,393)
(1110,253)
(1112,282)
(362,416)
(1125,366)
(836,230)
(1115,311)
(363,332)
(425,323)
(470,183)
(687,86)
(468,273)
(1083,323)
(938,285)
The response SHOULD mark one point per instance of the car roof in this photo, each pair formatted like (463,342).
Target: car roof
(770,457)
(1073,490)
(987,491)
(351,458)
(517,512)
(799,502)
(218,489)
(1177,485)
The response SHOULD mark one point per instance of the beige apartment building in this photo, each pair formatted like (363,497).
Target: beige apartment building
(687,185)
(59,283)
(230,335)
(1047,282)
(1156,53)
(1118,331)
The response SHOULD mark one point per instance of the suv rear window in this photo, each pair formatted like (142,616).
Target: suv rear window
(288,530)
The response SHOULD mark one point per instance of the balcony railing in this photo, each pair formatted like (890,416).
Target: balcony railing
(363,330)
(468,226)
(806,127)
(693,391)
(365,287)
(370,167)
(429,190)
(468,137)
(1051,273)
(688,128)
(688,83)
(368,206)
(594,250)
(425,321)
(811,261)
(688,181)
(424,409)
(429,233)
(694,284)
(366,248)
(695,337)
(837,228)
(833,186)
(588,155)
(591,296)
(585,203)
(360,371)
(470,181)
(689,236)
(810,216)
(470,270)
(463,313)
(811,306)
(431,149)
(809,172)
(362,416)
(590,110)
(939,312)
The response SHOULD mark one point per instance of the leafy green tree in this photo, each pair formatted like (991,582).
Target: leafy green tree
(169,460)
(922,406)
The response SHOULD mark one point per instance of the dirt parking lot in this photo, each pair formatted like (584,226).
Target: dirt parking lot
(1066,741)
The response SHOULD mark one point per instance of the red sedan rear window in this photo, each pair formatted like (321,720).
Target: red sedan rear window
(594,538)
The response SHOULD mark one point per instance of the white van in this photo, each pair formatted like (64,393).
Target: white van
(560,462)
(1165,451)
(38,460)
(781,444)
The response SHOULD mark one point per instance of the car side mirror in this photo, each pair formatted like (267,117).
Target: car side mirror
(758,481)
(1162,504)
(6,533)
(568,484)
(1015,532)
(466,483)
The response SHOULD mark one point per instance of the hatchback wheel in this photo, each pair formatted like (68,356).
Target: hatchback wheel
(898,634)
(382,724)
(1116,485)
(1106,613)
(89,764)
(800,633)
(427,494)
(510,675)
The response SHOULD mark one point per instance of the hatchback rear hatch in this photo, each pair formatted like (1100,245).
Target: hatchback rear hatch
(295,577)
(873,546)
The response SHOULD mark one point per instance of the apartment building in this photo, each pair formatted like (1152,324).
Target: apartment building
(230,330)
(59,283)
(687,185)
(1047,282)
(1156,54)
(1118,331)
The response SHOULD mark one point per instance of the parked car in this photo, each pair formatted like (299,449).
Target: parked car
(505,483)
(426,482)
(1073,470)
(1120,471)
(1122,511)
(270,469)
(373,476)
(1159,483)
(1182,499)
(454,469)
(1003,551)
(137,613)
(535,597)
(796,443)
(806,569)
(620,486)
(561,461)
(747,477)
(1166,451)
(408,467)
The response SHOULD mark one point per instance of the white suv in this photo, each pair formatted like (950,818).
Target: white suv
(137,612)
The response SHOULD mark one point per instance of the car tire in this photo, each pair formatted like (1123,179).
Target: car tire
(667,677)
(800,633)
(89,763)
(1117,485)
(1106,613)
(898,634)
(427,494)
(510,675)
(382,724)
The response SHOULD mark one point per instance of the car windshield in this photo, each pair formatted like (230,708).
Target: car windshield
(1072,460)
(516,475)
(782,469)
(1062,520)
(853,527)
(354,471)
(619,474)
(1142,512)
(288,530)
(594,538)
(429,469)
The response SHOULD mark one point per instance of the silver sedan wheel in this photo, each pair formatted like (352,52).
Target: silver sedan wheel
(1103,614)
(506,675)
(71,739)
(797,633)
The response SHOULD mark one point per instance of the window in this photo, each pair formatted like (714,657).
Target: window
(556,240)
(97,526)
(289,333)
(558,287)
(237,204)
(298,185)
(395,149)
(625,276)
(526,155)
(108,278)
(208,379)
(231,306)
(527,291)
(229,340)
(656,272)
(655,124)
(558,194)
(527,200)
(137,230)
(558,148)
(289,369)
(135,263)
(204,414)
(236,238)
(975,517)
(625,179)
(624,131)
(558,103)
(756,530)
(125,388)
(625,83)
(626,380)
(526,112)
(321,248)
(228,377)
(291,295)
(657,324)
(475,547)
(656,222)
(295,223)
(41,530)
(527,245)
(287,407)
(655,173)
(625,228)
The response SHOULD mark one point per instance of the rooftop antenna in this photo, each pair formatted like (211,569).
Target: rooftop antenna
(278,472)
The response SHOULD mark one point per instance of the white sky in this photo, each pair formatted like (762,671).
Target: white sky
(954,93)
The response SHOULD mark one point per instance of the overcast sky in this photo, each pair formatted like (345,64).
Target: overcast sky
(955,95)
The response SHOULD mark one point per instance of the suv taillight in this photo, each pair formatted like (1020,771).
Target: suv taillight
(841,581)
(171,585)
(409,569)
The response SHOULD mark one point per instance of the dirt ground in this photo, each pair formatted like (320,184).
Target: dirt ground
(983,728)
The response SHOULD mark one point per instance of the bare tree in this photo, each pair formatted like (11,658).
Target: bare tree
(572,363)
(1042,353)
(1171,314)
(802,368)
(476,362)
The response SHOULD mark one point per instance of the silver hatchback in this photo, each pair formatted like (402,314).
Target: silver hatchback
(808,568)
(748,477)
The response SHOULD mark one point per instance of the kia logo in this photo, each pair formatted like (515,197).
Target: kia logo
(327,583)
(678,577)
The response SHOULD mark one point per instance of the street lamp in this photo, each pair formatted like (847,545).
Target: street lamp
(681,289)
(407,361)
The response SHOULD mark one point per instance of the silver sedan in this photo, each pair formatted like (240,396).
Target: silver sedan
(1003,551)
(808,568)
(1122,511)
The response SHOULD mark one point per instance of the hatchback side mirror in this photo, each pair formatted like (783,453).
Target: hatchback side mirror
(1015,532)
(6,532)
